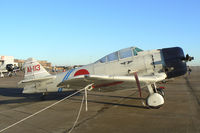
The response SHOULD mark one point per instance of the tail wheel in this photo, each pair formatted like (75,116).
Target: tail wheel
(42,97)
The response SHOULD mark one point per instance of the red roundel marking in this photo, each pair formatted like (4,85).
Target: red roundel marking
(81,72)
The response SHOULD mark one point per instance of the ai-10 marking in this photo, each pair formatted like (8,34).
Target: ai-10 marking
(126,68)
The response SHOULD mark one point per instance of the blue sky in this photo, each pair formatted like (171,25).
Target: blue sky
(68,32)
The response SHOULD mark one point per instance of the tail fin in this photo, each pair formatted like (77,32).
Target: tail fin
(34,70)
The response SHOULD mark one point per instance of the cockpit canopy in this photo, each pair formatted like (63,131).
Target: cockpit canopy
(121,54)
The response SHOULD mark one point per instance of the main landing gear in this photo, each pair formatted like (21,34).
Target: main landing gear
(156,97)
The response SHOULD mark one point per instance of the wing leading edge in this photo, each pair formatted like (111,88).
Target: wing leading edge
(110,83)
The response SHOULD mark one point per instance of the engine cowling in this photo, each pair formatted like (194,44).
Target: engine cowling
(175,61)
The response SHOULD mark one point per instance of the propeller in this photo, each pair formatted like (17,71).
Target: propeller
(188,58)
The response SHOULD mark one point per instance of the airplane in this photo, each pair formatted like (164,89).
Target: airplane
(127,68)
(7,65)
(10,69)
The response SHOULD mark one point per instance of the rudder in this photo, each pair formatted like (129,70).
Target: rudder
(34,70)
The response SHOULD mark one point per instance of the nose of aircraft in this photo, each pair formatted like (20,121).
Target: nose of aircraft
(175,61)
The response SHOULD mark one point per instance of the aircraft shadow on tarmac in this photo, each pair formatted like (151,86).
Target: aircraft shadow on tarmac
(16,93)
(192,90)
(117,103)
(113,104)
(113,96)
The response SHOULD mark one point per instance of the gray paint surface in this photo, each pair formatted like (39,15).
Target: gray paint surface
(119,111)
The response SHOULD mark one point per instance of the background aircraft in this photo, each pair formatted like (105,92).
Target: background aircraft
(126,68)
(7,65)
(10,69)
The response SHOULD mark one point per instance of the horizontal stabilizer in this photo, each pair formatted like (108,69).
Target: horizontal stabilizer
(36,80)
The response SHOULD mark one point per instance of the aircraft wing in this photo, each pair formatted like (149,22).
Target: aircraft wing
(110,83)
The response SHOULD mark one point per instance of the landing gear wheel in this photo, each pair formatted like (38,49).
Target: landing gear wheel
(10,74)
(161,92)
(42,97)
(155,100)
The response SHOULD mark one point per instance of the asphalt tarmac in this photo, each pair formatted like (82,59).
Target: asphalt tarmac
(116,112)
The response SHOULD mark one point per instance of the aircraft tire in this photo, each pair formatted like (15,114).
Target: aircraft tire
(155,101)
(10,75)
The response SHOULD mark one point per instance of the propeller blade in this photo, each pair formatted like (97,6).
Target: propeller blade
(188,58)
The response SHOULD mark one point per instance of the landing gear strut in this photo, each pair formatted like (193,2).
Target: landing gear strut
(155,98)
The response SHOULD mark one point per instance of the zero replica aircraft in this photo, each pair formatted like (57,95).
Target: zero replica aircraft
(126,68)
